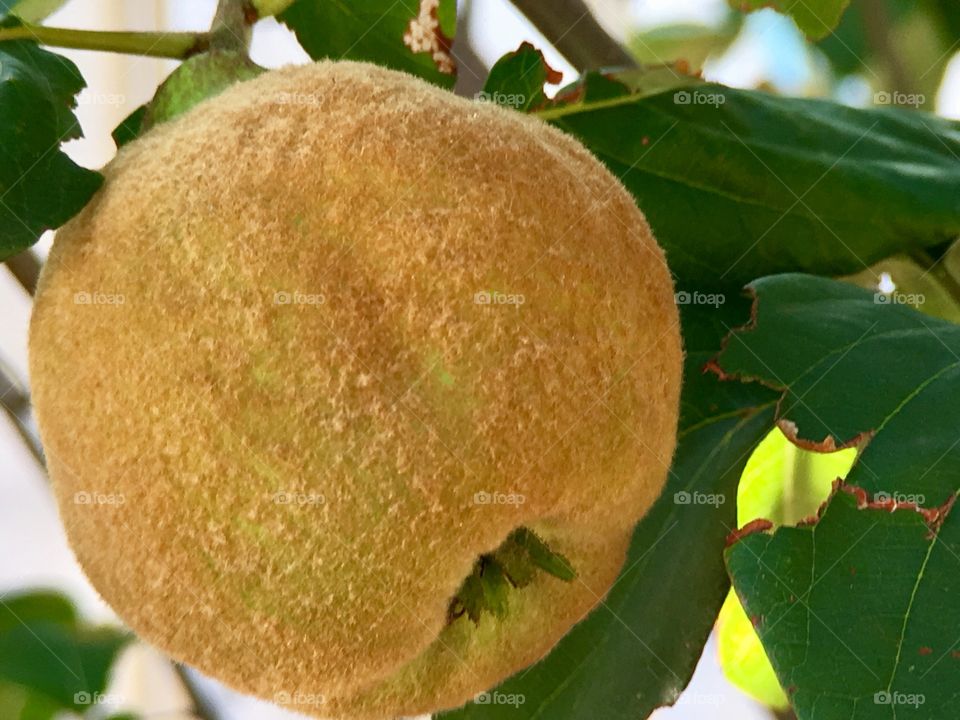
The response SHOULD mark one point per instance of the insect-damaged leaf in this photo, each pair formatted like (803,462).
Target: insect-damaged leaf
(857,611)
(517,79)
(413,36)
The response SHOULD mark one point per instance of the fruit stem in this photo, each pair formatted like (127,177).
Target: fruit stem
(569,25)
(266,8)
(230,30)
(177,45)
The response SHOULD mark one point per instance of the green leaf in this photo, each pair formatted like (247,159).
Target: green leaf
(816,18)
(413,37)
(517,79)
(693,43)
(739,183)
(847,48)
(856,367)
(195,80)
(948,12)
(18,703)
(44,651)
(40,187)
(37,607)
(637,650)
(919,35)
(858,612)
(129,129)
(854,606)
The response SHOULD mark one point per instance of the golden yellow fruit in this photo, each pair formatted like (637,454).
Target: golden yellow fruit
(320,343)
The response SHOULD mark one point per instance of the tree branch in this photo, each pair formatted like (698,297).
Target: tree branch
(16,405)
(574,32)
(231,25)
(877,28)
(25,268)
(202,709)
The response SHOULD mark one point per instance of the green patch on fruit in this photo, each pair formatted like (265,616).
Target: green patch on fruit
(440,372)
(511,566)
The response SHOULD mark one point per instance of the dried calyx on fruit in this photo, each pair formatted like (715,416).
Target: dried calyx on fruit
(512,565)
(353,480)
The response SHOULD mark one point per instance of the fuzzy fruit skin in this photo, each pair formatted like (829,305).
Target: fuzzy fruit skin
(377,396)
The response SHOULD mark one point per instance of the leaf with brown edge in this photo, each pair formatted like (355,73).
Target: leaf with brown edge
(857,610)
(852,605)
(856,369)
(517,80)
(414,37)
